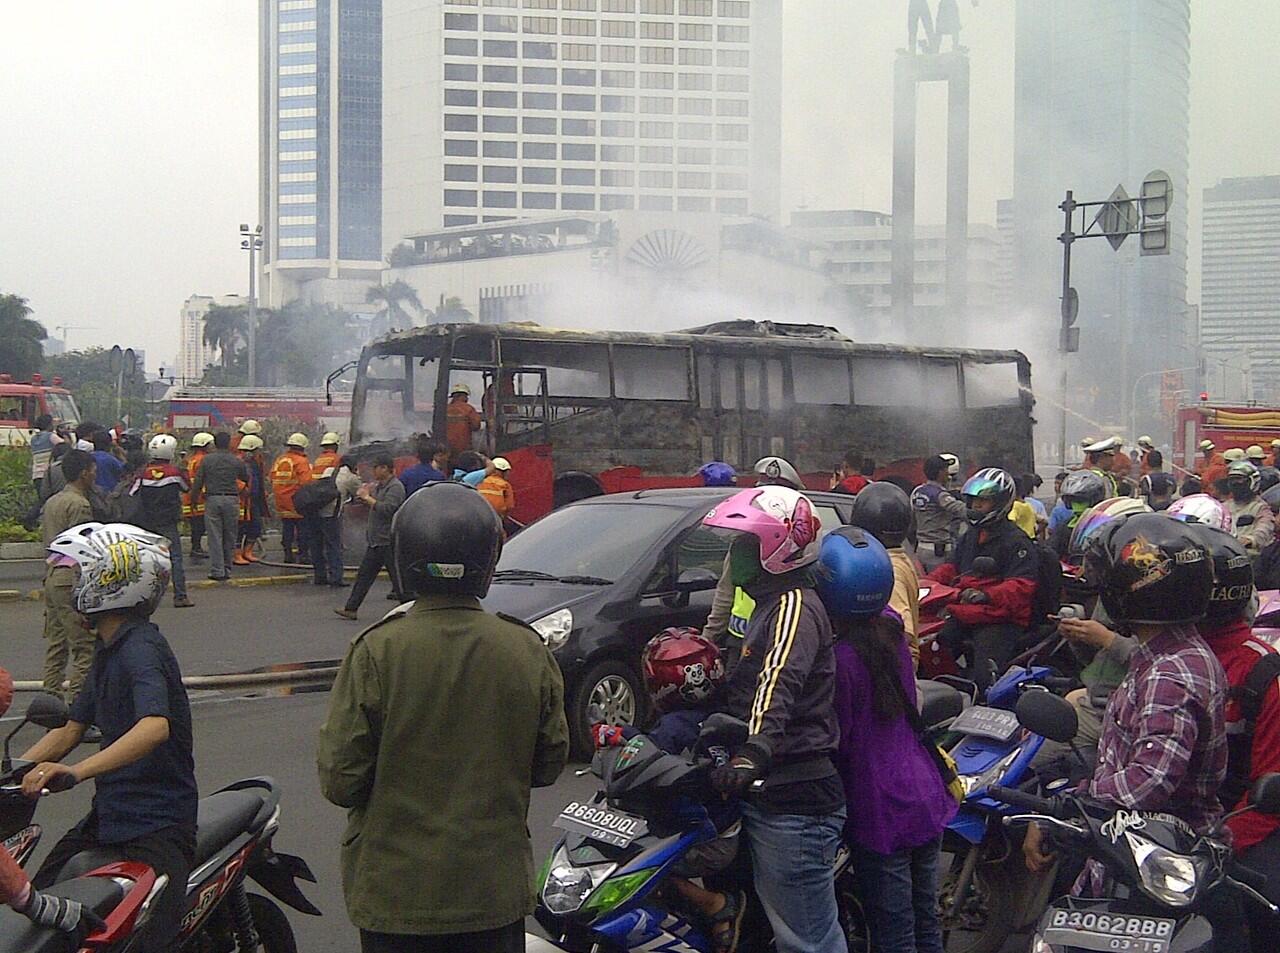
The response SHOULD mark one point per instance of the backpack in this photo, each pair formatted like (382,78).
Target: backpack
(310,498)
(1266,572)
(1250,695)
(1048,597)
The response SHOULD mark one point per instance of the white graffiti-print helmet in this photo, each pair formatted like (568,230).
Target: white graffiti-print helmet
(121,567)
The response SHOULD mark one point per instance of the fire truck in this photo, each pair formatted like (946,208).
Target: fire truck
(214,408)
(21,403)
(1226,425)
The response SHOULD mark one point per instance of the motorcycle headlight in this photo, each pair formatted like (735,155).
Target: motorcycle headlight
(973,783)
(554,628)
(1168,877)
(1038,945)
(567,887)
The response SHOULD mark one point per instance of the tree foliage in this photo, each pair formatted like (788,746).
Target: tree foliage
(21,338)
(92,381)
(296,346)
(393,297)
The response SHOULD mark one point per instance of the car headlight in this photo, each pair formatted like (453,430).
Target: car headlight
(1168,877)
(567,886)
(973,783)
(554,628)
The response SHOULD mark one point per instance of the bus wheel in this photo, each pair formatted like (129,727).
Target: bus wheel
(609,692)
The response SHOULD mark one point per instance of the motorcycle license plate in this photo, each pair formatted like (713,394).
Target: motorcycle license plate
(1118,932)
(601,823)
(994,723)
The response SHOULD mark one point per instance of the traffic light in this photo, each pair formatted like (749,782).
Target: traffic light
(1155,199)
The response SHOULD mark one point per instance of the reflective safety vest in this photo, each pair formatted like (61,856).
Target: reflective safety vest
(191,505)
(740,614)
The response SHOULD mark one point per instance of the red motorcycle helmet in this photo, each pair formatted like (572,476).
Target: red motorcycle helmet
(682,668)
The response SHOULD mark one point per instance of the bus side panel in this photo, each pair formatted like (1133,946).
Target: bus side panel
(532,479)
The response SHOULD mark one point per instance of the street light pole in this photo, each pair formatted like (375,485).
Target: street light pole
(251,241)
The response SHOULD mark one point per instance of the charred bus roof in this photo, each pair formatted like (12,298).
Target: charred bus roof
(733,334)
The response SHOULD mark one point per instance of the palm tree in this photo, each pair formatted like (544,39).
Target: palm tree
(450,310)
(393,297)
(21,347)
(225,328)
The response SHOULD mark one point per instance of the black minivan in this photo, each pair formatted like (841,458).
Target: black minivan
(598,578)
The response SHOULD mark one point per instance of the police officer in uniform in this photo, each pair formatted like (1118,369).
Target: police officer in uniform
(442,718)
(939,514)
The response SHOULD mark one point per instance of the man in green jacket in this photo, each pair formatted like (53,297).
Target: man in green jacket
(441,720)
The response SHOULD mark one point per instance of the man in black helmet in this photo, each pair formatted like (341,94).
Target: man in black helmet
(442,718)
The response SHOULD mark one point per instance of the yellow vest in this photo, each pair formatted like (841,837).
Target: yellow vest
(740,614)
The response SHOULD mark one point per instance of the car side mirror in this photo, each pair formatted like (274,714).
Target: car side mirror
(728,732)
(48,711)
(1265,795)
(1049,716)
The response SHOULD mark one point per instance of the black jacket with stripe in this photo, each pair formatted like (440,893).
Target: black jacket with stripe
(784,684)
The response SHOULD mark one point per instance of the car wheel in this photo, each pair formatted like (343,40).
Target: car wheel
(609,692)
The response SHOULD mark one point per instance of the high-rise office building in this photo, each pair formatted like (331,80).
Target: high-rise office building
(1240,286)
(1101,99)
(194,355)
(522,107)
(320,147)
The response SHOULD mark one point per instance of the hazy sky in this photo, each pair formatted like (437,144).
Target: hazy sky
(129,148)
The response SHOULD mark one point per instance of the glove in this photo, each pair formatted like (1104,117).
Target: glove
(59,913)
(971,596)
(735,777)
(606,736)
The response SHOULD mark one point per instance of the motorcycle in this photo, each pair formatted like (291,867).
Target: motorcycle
(234,831)
(1160,873)
(602,887)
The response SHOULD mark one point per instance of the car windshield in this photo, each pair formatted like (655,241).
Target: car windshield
(62,408)
(598,540)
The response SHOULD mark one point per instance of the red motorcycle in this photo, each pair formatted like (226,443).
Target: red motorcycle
(234,833)
(935,659)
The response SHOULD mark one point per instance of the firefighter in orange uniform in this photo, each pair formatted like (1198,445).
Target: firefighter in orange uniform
(1213,466)
(1145,446)
(461,419)
(254,505)
(290,471)
(496,488)
(1274,455)
(193,504)
(329,457)
(250,428)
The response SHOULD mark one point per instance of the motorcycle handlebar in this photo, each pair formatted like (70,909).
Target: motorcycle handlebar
(1030,802)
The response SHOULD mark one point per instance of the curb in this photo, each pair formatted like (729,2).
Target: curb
(249,582)
(11,595)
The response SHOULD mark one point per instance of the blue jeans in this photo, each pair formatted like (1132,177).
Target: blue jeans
(793,855)
(326,549)
(899,894)
(177,572)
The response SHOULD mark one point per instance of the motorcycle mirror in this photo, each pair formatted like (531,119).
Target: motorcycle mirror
(983,566)
(1265,795)
(724,730)
(1048,715)
(48,711)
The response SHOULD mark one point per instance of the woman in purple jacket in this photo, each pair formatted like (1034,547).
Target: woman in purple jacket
(898,804)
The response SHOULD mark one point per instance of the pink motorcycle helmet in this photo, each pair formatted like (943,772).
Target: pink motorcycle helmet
(1202,508)
(781,518)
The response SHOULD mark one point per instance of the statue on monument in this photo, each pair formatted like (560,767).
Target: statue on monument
(947,23)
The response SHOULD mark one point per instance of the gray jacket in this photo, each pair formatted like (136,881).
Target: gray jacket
(938,515)
(218,473)
(388,497)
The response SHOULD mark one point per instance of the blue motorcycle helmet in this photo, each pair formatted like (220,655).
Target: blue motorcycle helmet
(716,473)
(855,574)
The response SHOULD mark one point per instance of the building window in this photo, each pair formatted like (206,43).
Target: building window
(576,26)
(696,31)
(451,221)
(578,102)
(540,25)
(733,82)
(656,203)
(499,199)
(578,127)
(619,178)
(609,203)
(578,202)
(735,58)
(650,80)
(466,72)
(461,21)
(694,56)
(658,6)
(731,133)
(735,8)
(578,77)
(617,128)
(538,100)
(460,47)
(580,52)
(505,48)
(657,54)
(539,51)
(731,206)
(539,126)
(730,33)
(617,54)
(696,8)
(588,5)
(695,180)
(618,28)
(695,107)
(623,78)
(731,181)
(731,107)
(463,197)
(655,155)
(656,130)
(501,98)
(459,173)
(454,123)
(578,151)
(538,199)
(692,81)
(540,150)
(651,179)
(656,104)
(499,149)
(618,6)
(543,75)
(610,153)
(657,30)
(499,74)
(501,24)
(499,123)
(459,147)
(694,203)
(731,157)
(578,177)
(539,4)
(694,156)
(499,173)
(538,175)
(695,130)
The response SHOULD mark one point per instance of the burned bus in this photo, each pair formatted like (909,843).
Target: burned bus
(579,412)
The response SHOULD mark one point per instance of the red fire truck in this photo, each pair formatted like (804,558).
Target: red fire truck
(213,408)
(1227,426)
(21,403)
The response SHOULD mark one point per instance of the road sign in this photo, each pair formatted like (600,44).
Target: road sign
(1070,308)
(1118,219)
(1157,197)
